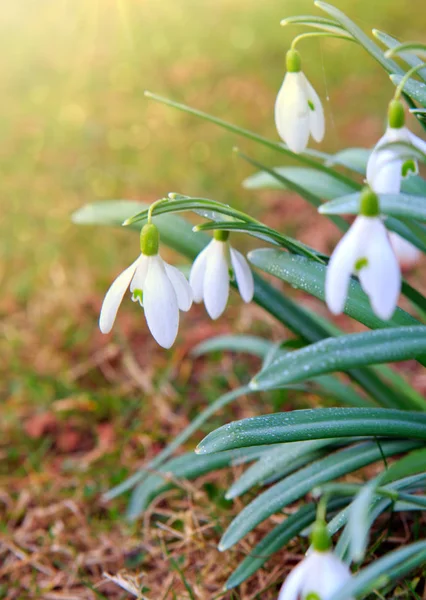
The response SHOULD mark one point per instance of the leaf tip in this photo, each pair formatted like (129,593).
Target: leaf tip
(283,22)
(254,385)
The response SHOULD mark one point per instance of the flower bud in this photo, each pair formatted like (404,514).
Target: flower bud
(150,239)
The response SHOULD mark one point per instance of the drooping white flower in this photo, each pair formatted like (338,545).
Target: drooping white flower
(298,109)
(321,573)
(318,576)
(160,289)
(212,270)
(407,254)
(387,168)
(365,250)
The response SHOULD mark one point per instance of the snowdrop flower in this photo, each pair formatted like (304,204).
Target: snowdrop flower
(298,109)
(406,253)
(212,270)
(365,250)
(158,287)
(387,168)
(319,575)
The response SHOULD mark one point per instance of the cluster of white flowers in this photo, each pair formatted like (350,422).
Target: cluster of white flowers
(367,250)
(162,290)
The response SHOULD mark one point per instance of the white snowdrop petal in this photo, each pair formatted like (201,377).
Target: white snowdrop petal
(416,141)
(196,277)
(216,279)
(292,112)
(243,275)
(316,115)
(407,254)
(327,574)
(292,586)
(181,286)
(114,296)
(138,280)
(160,304)
(381,278)
(341,266)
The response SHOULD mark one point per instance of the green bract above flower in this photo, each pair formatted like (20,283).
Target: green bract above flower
(298,109)
(160,289)
(212,270)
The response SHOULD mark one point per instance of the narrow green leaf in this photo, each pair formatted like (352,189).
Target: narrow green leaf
(315,424)
(275,540)
(381,572)
(266,234)
(249,344)
(302,273)
(274,462)
(396,205)
(300,483)
(347,351)
(415,89)
(393,44)
(316,183)
(188,466)
(351,158)
(303,158)
(357,33)
(320,23)
(296,187)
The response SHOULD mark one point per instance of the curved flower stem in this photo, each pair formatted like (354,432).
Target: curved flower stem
(302,36)
(153,205)
(404,80)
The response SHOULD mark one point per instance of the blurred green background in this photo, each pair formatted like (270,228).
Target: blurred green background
(75,127)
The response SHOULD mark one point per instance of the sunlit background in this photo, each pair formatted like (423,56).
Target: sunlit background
(75,127)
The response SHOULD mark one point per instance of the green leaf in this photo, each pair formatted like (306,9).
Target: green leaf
(249,344)
(299,188)
(411,48)
(175,232)
(210,209)
(317,183)
(351,158)
(302,273)
(393,44)
(344,352)
(396,205)
(266,234)
(359,521)
(357,33)
(315,424)
(381,572)
(401,228)
(274,462)
(415,89)
(293,525)
(298,484)
(188,466)
(321,23)
(302,158)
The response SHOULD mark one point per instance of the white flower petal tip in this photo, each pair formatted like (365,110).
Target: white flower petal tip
(210,275)
(320,574)
(408,256)
(298,112)
(161,291)
(366,251)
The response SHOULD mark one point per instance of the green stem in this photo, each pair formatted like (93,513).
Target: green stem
(303,36)
(404,80)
